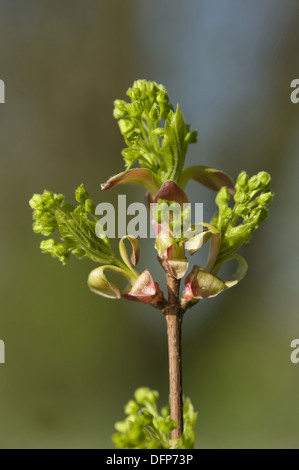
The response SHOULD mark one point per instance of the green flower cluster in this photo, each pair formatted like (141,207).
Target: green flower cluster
(157,147)
(236,224)
(73,225)
(146,428)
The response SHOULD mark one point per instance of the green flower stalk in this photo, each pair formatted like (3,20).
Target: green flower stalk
(157,140)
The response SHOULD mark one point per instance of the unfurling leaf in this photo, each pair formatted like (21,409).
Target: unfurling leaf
(210,177)
(172,254)
(99,284)
(177,267)
(144,286)
(140,176)
(239,274)
(141,287)
(145,290)
(200,284)
(171,192)
(135,256)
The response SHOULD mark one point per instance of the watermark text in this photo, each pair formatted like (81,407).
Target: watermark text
(295,93)
(2,92)
(295,352)
(2,352)
(165,216)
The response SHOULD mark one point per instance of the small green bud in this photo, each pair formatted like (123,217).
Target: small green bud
(223,196)
(89,206)
(140,85)
(147,417)
(163,100)
(81,194)
(191,137)
(79,210)
(159,132)
(65,259)
(36,202)
(241,198)
(154,114)
(46,231)
(47,198)
(125,126)
(264,178)
(40,202)
(144,394)
(130,154)
(37,214)
(242,181)
(120,109)
(225,212)
(60,250)
(165,110)
(165,411)
(265,198)
(242,210)
(162,97)
(162,424)
(259,214)
(122,426)
(152,88)
(134,94)
(138,90)
(57,250)
(59,199)
(170,115)
(255,183)
(132,408)
(37,227)
(135,109)
(47,246)
(132,137)
(46,224)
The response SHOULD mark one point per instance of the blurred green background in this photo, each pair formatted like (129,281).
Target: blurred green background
(73,358)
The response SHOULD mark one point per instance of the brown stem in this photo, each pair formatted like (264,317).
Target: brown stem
(173,315)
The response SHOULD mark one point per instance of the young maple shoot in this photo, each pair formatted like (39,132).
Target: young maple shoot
(157,140)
